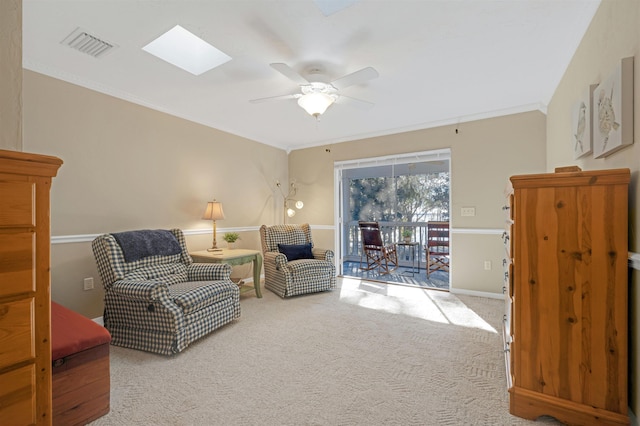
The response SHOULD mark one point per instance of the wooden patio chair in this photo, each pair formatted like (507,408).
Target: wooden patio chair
(437,248)
(380,256)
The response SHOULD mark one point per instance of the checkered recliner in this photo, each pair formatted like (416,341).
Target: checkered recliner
(289,278)
(156,299)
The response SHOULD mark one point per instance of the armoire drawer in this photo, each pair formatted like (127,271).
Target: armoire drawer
(17,391)
(17,204)
(17,339)
(17,259)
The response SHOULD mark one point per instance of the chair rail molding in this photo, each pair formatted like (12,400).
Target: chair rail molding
(634,258)
(87,238)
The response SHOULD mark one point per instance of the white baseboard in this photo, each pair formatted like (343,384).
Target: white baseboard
(477,293)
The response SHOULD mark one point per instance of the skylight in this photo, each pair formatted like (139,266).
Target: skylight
(185,50)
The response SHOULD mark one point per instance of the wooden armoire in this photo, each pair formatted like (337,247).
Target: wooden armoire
(25,298)
(566,291)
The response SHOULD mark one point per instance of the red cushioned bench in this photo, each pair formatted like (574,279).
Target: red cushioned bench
(80,374)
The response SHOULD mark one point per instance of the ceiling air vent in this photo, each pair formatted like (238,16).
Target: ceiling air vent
(87,43)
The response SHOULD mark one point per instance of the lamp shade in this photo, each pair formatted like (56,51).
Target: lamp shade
(315,103)
(214,211)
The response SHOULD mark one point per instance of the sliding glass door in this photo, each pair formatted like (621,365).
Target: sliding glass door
(402,192)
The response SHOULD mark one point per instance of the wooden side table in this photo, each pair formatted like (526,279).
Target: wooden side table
(233,257)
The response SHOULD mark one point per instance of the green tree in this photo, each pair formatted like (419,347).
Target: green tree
(406,198)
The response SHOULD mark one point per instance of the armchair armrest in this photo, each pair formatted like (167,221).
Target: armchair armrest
(140,290)
(323,254)
(274,257)
(208,271)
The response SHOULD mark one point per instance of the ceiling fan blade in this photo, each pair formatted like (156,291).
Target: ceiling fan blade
(356,77)
(358,103)
(288,72)
(275,98)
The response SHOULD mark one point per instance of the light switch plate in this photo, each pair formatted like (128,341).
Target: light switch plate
(468,211)
(88,283)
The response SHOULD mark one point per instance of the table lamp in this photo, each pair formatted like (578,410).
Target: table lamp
(214,212)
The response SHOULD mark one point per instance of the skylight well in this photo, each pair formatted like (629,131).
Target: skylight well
(185,50)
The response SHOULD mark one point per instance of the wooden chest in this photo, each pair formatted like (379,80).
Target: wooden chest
(80,381)
(568,294)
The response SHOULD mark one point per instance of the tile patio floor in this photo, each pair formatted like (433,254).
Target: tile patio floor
(403,275)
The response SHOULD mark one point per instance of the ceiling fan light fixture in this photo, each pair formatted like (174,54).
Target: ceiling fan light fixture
(315,103)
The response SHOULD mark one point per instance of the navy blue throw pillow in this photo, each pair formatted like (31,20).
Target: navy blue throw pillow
(295,252)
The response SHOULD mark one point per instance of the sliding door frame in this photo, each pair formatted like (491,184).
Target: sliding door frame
(340,166)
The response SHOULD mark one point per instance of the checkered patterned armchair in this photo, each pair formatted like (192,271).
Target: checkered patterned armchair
(313,272)
(156,299)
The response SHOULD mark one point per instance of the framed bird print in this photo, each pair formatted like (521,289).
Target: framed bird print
(612,112)
(581,125)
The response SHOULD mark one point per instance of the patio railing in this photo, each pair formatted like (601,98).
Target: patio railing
(391,233)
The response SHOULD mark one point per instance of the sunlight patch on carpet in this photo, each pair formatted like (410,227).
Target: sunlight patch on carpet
(430,305)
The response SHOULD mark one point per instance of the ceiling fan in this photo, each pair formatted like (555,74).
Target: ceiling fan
(318,93)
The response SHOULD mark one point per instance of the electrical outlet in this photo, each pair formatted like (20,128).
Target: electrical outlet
(88,283)
(468,211)
(487,265)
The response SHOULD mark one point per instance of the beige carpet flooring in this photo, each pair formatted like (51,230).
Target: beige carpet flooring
(363,354)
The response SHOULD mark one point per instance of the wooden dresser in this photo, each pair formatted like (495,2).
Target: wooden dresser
(25,302)
(566,285)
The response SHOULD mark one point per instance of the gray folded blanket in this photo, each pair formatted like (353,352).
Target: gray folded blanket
(137,245)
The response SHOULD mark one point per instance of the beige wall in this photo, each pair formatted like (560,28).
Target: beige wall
(129,167)
(11,72)
(613,34)
(484,154)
